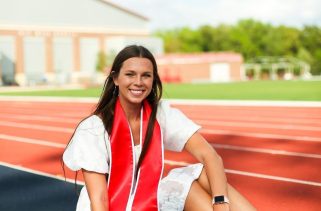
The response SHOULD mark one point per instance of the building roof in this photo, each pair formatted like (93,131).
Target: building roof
(195,58)
(56,14)
(125,9)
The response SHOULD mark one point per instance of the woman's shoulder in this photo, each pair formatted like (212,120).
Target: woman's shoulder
(163,105)
(87,148)
(92,123)
(164,111)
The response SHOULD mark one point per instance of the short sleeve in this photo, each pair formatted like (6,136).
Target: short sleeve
(87,148)
(176,127)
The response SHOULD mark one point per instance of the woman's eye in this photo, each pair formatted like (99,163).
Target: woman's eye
(129,74)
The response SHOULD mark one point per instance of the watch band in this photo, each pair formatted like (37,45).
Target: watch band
(220,200)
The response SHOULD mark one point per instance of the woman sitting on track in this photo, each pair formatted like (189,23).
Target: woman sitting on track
(120,148)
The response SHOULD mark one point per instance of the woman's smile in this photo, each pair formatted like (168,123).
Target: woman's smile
(136,92)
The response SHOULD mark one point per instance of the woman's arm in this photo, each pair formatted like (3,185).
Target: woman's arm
(212,162)
(97,190)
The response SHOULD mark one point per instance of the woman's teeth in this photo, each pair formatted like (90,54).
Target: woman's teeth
(136,92)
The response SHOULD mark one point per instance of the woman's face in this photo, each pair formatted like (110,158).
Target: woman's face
(135,80)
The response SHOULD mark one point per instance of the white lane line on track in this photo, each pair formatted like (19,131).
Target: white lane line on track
(50,99)
(264,176)
(257,125)
(266,151)
(40,173)
(250,174)
(36,126)
(261,135)
(62,114)
(41,118)
(32,141)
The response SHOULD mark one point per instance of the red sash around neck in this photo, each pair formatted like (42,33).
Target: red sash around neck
(122,170)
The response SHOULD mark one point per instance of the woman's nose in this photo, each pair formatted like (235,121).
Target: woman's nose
(138,80)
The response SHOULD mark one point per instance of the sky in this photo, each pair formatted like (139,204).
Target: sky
(167,14)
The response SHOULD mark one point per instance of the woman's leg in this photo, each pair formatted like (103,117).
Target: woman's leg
(237,201)
(197,199)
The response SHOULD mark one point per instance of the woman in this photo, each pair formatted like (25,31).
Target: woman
(124,141)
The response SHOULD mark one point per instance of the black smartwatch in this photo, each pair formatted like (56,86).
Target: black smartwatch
(220,200)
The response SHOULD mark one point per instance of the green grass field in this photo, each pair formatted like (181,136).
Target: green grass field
(252,90)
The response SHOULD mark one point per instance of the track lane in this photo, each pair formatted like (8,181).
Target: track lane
(248,111)
(63,134)
(275,165)
(265,143)
(283,166)
(48,135)
(276,195)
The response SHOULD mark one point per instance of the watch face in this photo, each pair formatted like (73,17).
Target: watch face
(219,198)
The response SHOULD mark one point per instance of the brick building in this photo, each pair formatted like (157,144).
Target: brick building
(201,67)
(46,41)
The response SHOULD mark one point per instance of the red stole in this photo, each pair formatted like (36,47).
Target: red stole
(122,171)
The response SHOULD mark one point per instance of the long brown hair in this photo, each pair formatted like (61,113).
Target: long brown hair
(106,105)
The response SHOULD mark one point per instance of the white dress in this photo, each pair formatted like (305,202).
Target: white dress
(88,150)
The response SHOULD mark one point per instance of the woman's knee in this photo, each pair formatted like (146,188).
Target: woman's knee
(197,198)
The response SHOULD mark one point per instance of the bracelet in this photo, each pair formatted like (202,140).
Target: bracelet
(220,200)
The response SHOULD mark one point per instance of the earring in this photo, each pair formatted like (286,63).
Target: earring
(115,91)
(154,92)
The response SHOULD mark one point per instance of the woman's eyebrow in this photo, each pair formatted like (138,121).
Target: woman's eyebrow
(133,71)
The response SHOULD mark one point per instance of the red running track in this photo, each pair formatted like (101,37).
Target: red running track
(272,155)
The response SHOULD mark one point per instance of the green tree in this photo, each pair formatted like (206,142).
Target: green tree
(171,40)
(310,38)
(190,40)
(304,55)
(251,38)
(207,37)
(222,38)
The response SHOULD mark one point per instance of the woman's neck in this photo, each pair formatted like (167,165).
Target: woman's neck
(133,114)
(132,111)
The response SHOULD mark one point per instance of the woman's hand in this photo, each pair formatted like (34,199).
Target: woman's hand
(221,207)
(97,190)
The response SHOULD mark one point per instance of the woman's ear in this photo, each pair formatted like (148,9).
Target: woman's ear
(115,79)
